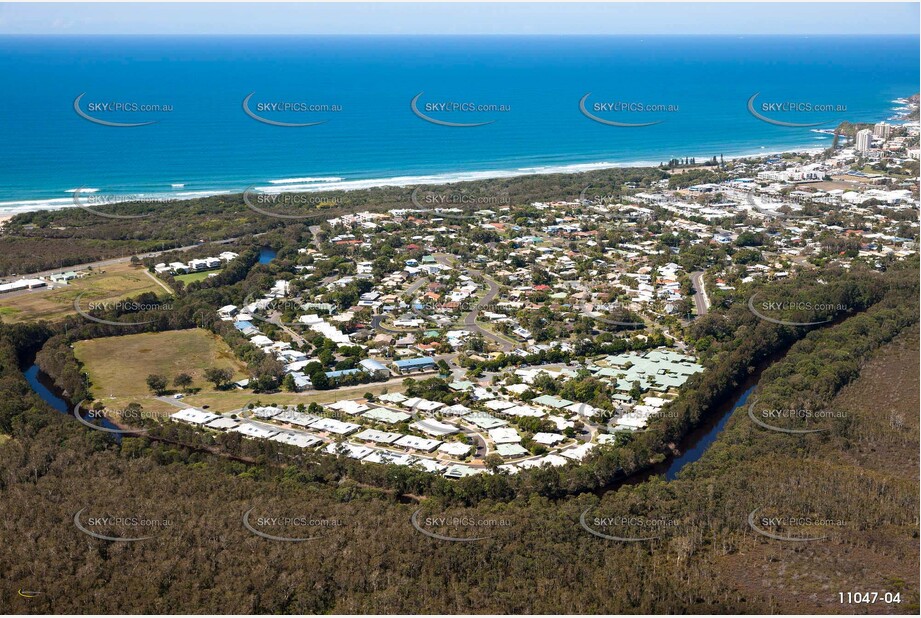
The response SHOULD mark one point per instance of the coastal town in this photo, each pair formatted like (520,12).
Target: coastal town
(464,340)
(464,334)
(441,309)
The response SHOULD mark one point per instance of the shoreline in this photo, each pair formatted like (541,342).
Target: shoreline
(316,184)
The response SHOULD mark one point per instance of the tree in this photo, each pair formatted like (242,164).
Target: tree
(636,391)
(320,381)
(182,381)
(156,383)
(493,461)
(288,383)
(217,376)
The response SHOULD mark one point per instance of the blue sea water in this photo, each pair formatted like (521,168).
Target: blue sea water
(205,143)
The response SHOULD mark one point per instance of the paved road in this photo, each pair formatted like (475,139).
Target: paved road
(412,289)
(469,319)
(377,319)
(507,345)
(701,301)
(376,325)
(275,318)
(479,442)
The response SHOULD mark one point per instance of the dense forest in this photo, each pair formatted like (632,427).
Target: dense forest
(860,473)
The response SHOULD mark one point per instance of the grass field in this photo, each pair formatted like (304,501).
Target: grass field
(110,283)
(192,277)
(118,366)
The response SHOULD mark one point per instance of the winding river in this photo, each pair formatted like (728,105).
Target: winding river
(692,446)
(45,388)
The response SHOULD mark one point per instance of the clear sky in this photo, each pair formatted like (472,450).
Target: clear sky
(456,18)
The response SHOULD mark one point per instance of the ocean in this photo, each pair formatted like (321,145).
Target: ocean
(523,94)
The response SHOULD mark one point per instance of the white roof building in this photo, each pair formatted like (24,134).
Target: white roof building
(498,405)
(434,428)
(553,460)
(458,471)
(511,450)
(418,444)
(456,410)
(578,453)
(352,451)
(417,403)
(266,411)
(254,431)
(381,437)
(484,420)
(261,341)
(386,457)
(383,415)
(524,411)
(222,423)
(333,426)
(504,435)
(429,465)
(296,418)
(392,397)
(582,409)
(455,449)
(548,439)
(193,416)
(297,439)
(348,406)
